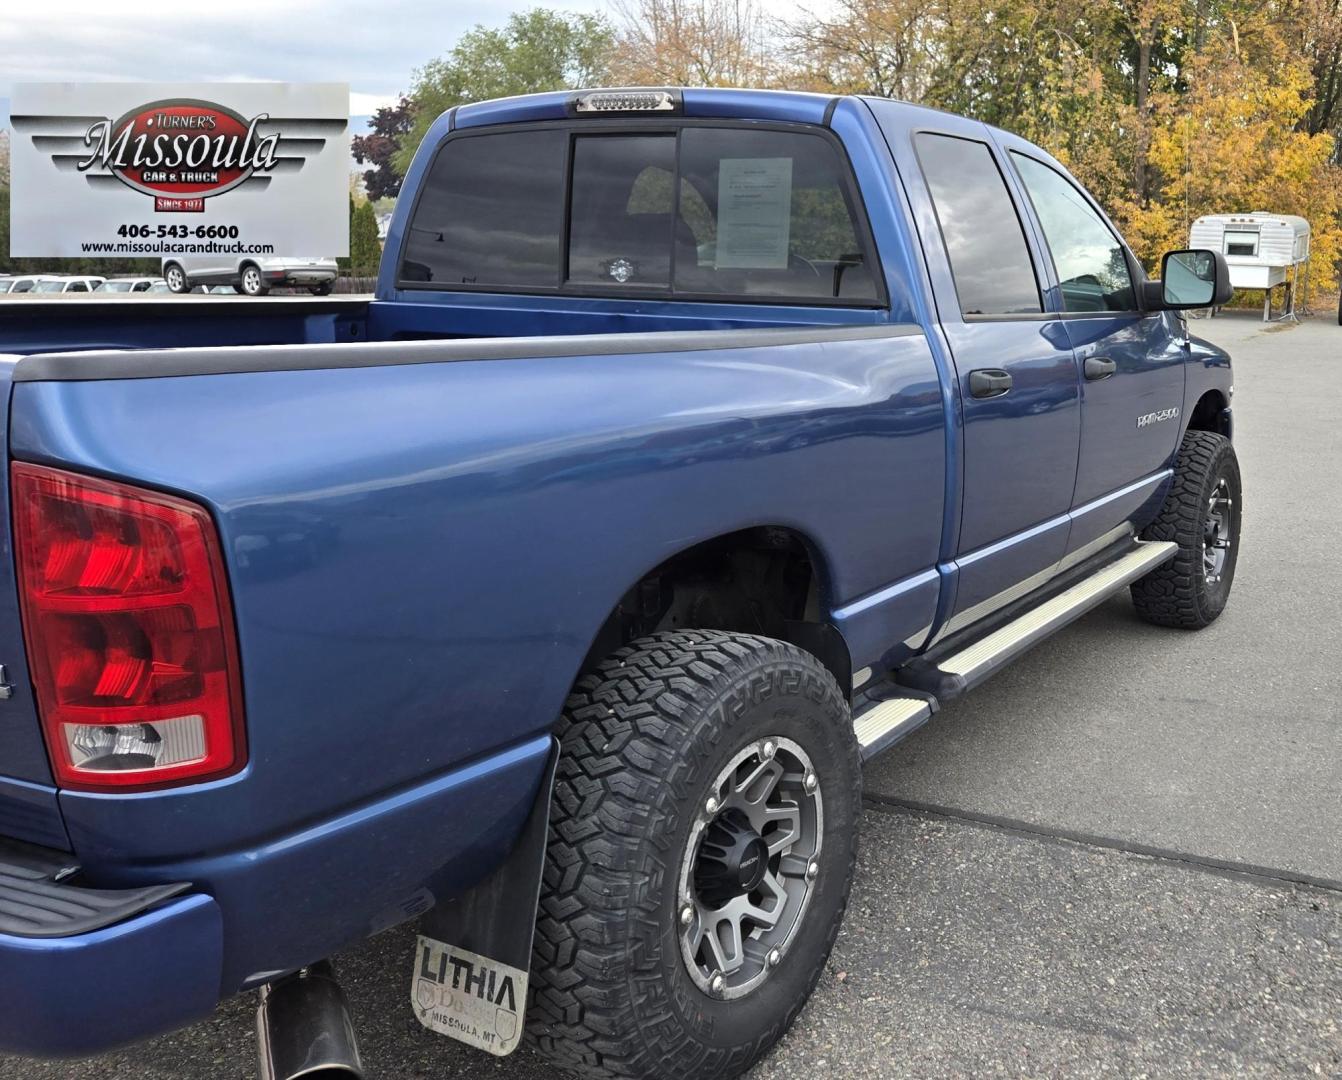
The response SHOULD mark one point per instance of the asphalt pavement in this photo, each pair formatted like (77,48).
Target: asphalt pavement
(1120,857)
(1226,743)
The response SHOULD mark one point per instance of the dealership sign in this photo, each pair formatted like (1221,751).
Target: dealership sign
(134,170)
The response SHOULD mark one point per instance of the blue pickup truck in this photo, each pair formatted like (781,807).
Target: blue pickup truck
(696,447)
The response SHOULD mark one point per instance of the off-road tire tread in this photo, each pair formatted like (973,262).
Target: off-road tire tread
(1174,594)
(625,764)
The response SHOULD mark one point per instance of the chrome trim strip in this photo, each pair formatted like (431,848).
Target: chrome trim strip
(1136,485)
(885,594)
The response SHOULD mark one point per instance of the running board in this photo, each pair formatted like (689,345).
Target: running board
(952,675)
(886,713)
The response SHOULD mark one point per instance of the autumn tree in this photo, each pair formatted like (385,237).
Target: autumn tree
(691,43)
(1165,109)
(388,128)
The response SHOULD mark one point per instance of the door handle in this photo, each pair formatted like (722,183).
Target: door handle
(1097,367)
(989,383)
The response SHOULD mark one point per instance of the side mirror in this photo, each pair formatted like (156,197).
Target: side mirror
(1193,279)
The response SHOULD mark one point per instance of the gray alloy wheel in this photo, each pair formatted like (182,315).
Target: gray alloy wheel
(252,282)
(749,867)
(1218,534)
(175,277)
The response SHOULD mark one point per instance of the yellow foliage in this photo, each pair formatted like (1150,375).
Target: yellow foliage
(1231,145)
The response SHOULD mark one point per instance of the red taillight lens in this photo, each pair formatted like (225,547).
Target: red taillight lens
(129,632)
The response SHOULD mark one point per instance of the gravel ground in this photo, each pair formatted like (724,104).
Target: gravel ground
(982,949)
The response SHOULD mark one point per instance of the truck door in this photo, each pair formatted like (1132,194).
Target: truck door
(1017,376)
(1132,363)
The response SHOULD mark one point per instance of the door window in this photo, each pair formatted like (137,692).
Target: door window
(984,239)
(1091,264)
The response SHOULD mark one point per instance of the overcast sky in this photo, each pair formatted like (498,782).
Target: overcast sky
(373,45)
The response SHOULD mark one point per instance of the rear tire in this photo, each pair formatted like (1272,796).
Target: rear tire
(647,739)
(175,278)
(252,283)
(1202,515)
(324,289)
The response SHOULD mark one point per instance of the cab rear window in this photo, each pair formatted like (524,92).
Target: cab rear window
(696,212)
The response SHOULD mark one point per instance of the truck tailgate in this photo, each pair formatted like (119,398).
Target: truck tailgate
(28,807)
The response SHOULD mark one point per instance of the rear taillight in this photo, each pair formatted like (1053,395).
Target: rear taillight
(129,631)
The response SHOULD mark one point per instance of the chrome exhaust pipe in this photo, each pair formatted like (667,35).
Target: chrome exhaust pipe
(303,1028)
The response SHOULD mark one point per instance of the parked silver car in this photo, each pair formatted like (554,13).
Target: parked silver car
(248,274)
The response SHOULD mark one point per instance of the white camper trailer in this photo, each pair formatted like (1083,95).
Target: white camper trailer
(1263,250)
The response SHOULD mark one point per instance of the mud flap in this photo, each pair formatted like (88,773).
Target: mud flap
(473,956)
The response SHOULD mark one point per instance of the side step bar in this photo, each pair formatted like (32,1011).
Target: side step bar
(885,710)
(972,665)
(884,721)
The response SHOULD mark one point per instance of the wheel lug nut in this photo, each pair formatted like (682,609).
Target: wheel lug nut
(717,983)
(810,783)
(775,956)
(812,870)
(686,915)
(711,807)
(768,750)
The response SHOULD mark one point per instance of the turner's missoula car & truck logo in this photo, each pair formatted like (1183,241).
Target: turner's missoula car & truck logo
(180,152)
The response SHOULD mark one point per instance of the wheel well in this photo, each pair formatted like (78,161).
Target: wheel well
(765,581)
(1208,415)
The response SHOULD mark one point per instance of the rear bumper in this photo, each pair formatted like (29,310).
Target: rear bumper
(256,913)
(79,995)
(314,276)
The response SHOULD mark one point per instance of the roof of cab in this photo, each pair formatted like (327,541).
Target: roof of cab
(784,105)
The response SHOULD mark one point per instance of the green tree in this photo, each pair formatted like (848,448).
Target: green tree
(365,252)
(343,262)
(534,51)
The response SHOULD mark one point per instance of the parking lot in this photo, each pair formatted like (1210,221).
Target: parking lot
(1122,856)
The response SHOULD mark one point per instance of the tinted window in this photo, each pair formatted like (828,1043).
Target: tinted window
(623,201)
(767,213)
(989,259)
(1091,266)
(730,212)
(490,212)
